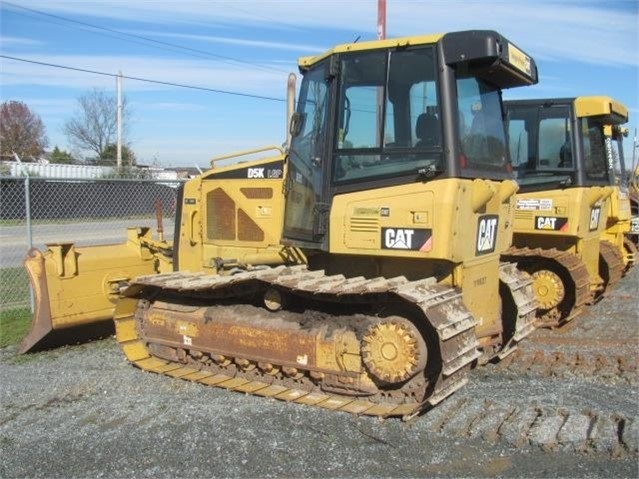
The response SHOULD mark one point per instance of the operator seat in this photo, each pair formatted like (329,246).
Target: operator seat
(427,131)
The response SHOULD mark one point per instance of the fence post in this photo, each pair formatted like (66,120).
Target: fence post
(27,206)
(27,199)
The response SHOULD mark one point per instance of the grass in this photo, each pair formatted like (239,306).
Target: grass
(14,325)
(14,319)
(14,283)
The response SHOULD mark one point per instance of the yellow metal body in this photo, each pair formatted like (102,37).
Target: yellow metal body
(387,43)
(633,193)
(76,286)
(583,213)
(620,221)
(564,204)
(226,224)
(599,106)
(237,224)
(467,223)
(618,224)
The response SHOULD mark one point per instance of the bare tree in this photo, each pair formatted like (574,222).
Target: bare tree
(94,125)
(21,130)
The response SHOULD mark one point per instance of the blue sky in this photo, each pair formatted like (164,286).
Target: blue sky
(582,47)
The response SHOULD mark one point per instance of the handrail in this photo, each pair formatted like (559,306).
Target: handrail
(244,153)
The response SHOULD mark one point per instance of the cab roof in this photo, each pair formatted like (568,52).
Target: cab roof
(600,106)
(308,61)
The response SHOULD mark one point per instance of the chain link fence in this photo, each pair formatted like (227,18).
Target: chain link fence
(37,211)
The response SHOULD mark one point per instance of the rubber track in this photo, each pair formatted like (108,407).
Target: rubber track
(572,264)
(614,261)
(441,305)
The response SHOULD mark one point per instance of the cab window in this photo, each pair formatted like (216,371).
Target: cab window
(595,160)
(388,116)
(483,140)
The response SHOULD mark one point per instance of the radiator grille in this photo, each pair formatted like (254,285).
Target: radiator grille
(257,193)
(220,215)
(247,229)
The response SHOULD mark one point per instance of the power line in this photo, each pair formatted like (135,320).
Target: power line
(147,39)
(105,34)
(253,14)
(160,82)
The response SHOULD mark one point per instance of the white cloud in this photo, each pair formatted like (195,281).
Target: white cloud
(20,41)
(589,32)
(574,31)
(197,73)
(261,44)
(171,106)
(214,14)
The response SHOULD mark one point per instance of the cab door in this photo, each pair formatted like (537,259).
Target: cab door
(305,213)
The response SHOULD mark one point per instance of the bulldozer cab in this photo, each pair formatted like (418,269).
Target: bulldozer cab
(396,112)
(562,142)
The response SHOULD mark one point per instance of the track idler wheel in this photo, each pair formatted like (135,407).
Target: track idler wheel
(393,350)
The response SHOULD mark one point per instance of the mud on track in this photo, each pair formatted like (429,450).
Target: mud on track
(565,404)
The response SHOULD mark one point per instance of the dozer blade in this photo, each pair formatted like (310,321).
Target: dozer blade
(75,289)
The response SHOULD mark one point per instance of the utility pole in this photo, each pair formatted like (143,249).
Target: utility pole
(381,19)
(118,83)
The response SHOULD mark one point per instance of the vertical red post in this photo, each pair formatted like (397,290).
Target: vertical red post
(381,19)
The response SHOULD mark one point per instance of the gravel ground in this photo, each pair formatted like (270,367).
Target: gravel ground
(565,405)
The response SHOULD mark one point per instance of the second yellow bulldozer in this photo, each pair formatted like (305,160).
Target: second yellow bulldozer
(571,216)
(359,269)
(622,224)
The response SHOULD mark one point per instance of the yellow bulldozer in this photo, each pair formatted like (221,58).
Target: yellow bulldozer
(357,269)
(571,216)
(622,224)
(633,193)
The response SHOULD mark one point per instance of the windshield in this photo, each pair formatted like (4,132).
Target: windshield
(388,116)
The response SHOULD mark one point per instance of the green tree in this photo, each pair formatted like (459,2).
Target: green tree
(109,156)
(21,130)
(61,156)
